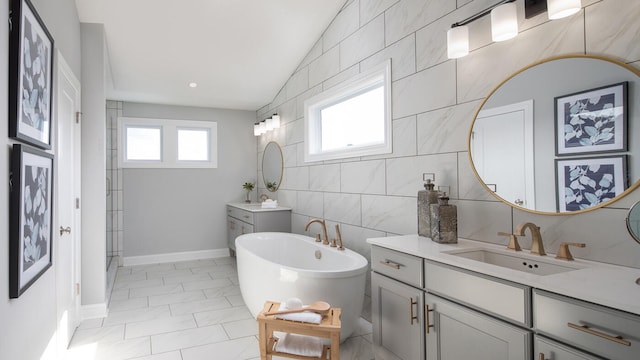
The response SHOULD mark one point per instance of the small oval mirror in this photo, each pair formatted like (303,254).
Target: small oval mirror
(272,166)
(633,221)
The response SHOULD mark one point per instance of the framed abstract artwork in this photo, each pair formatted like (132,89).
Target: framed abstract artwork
(30,76)
(586,182)
(30,219)
(592,121)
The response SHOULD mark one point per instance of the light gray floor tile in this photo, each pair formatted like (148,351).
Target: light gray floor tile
(129,304)
(185,278)
(241,328)
(235,300)
(243,348)
(207,284)
(222,316)
(159,326)
(187,338)
(156,290)
(111,350)
(172,355)
(148,320)
(133,284)
(96,335)
(199,306)
(222,291)
(135,315)
(182,297)
(195,263)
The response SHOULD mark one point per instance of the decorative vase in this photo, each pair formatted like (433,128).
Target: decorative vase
(247,200)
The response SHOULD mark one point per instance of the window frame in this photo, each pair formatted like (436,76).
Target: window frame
(168,142)
(356,86)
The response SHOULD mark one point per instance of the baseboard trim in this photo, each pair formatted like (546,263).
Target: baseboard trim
(94,311)
(173,257)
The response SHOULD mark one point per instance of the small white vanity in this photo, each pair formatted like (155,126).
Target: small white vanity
(436,301)
(245,218)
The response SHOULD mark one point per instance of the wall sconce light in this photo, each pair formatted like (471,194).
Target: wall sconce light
(266,125)
(557,9)
(504,21)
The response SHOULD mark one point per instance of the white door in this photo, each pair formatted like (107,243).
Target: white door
(502,151)
(67,259)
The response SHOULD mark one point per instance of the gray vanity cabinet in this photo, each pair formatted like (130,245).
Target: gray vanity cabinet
(246,219)
(546,349)
(397,305)
(456,332)
(398,328)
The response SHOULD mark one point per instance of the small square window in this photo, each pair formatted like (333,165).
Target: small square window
(193,145)
(143,143)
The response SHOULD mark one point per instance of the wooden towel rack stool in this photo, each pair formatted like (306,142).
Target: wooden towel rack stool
(328,328)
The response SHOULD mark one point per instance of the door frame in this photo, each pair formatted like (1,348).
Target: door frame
(63,69)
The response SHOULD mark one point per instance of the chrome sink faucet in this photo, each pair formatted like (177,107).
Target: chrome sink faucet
(325,238)
(536,238)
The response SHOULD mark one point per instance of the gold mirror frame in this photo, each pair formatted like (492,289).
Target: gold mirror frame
(627,191)
(633,215)
(270,145)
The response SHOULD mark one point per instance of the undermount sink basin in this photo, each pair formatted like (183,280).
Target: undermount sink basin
(515,261)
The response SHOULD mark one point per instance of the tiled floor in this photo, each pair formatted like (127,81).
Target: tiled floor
(183,311)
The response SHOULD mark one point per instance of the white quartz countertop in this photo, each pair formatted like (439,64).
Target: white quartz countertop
(599,283)
(257,207)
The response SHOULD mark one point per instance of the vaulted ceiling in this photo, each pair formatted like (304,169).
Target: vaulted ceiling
(239,52)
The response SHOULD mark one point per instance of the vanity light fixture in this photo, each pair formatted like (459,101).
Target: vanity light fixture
(501,28)
(266,125)
(504,21)
(557,9)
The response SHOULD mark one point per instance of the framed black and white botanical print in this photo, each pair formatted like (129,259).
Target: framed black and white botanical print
(592,121)
(30,219)
(586,182)
(30,76)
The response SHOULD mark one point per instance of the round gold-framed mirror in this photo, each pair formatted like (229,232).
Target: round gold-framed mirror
(633,221)
(272,166)
(557,136)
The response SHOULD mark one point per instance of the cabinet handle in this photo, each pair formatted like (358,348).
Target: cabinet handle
(411,303)
(426,322)
(617,339)
(390,264)
(246,216)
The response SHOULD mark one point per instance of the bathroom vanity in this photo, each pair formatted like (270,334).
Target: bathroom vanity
(438,301)
(245,218)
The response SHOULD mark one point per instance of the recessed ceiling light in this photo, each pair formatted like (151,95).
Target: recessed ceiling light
(193,84)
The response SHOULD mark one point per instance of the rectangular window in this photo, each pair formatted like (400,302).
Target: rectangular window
(163,143)
(353,119)
(143,143)
(193,144)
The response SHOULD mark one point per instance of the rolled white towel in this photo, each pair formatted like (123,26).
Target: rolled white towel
(300,345)
(305,316)
(270,204)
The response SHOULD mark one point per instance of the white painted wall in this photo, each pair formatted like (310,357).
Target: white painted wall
(93,198)
(28,324)
(434,101)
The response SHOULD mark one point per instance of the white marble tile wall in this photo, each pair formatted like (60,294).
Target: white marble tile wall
(114,201)
(434,103)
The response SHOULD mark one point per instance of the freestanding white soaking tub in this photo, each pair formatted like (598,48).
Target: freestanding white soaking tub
(278,266)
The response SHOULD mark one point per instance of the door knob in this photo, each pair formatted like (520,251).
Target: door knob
(65,230)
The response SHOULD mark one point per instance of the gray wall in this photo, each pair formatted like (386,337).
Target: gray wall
(434,102)
(29,322)
(179,210)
